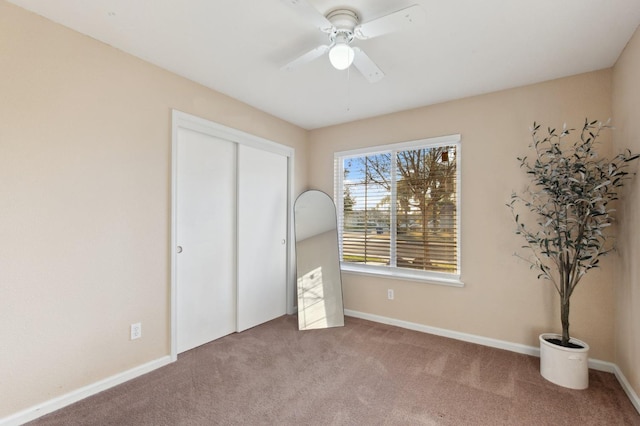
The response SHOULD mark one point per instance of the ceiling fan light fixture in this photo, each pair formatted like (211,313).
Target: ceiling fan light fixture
(341,56)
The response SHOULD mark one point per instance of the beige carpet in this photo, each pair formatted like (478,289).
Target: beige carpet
(361,374)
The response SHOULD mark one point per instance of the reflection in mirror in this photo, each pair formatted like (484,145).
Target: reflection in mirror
(317,262)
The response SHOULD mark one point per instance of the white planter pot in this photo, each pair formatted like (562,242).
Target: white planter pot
(566,367)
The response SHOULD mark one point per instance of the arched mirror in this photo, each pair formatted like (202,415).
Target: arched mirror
(317,262)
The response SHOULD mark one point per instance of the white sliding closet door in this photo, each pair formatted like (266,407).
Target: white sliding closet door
(206,238)
(262,234)
(230,204)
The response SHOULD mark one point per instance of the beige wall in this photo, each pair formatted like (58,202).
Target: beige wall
(502,298)
(85,169)
(626,111)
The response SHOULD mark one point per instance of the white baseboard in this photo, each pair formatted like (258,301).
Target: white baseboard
(485,341)
(54,404)
(633,396)
(595,364)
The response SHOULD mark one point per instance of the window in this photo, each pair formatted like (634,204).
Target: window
(398,209)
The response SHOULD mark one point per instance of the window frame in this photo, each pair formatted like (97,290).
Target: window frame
(431,277)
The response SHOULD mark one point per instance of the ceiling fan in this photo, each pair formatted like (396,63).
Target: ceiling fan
(343,26)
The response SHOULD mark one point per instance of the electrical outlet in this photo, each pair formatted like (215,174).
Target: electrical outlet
(390,294)
(136,331)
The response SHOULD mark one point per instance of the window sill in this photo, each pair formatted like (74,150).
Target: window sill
(403,274)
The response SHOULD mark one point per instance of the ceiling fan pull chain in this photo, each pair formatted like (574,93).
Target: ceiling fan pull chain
(349,89)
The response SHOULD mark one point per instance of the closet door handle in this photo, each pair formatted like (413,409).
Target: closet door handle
(283,241)
(179,249)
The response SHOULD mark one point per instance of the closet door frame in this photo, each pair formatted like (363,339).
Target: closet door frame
(182,120)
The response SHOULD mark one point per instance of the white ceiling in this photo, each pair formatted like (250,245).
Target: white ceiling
(465,48)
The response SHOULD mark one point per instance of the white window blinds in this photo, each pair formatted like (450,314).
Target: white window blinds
(399,207)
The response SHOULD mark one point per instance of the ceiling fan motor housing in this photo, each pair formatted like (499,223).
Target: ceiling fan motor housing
(344,22)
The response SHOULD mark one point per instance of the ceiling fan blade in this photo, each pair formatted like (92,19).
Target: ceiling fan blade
(403,18)
(366,66)
(307,57)
(311,14)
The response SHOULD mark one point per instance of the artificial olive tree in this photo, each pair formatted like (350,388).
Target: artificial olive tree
(570,200)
